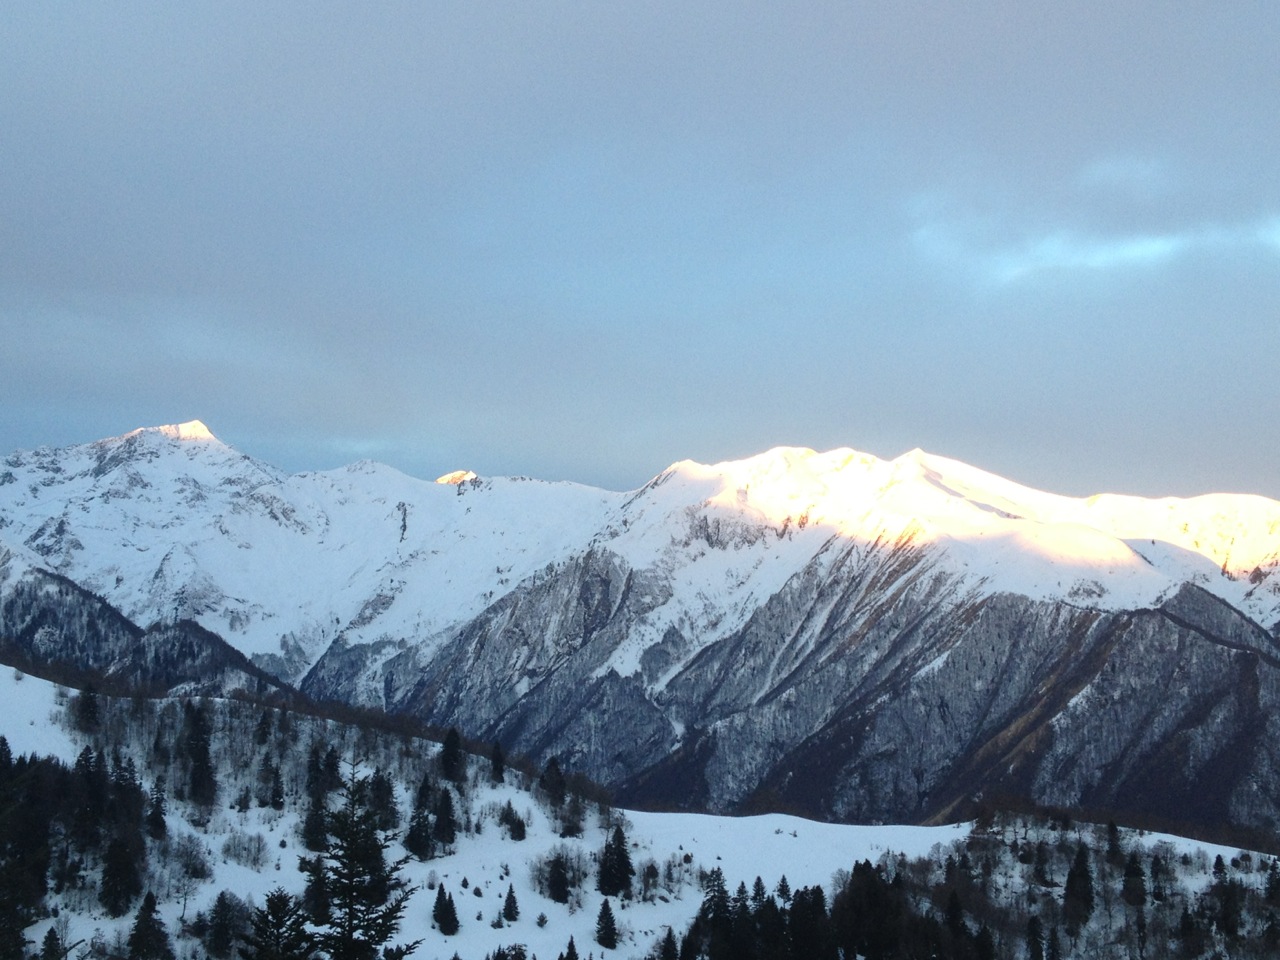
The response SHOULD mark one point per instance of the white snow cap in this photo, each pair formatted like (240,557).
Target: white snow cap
(191,430)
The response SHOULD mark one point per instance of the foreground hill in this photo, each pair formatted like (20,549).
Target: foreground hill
(827,633)
(210,805)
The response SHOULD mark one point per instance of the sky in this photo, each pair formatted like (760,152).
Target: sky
(585,240)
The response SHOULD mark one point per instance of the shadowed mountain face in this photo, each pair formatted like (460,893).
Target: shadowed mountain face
(824,633)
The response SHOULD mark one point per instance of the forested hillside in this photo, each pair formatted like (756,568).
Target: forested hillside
(203,827)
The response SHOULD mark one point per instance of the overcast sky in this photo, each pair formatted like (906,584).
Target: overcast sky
(583,240)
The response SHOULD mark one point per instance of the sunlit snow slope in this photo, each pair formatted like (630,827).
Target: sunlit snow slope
(169,521)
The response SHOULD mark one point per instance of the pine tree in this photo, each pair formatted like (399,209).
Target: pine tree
(1134,888)
(606,928)
(784,890)
(278,930)
(984,944)
(445,913)
(382,801)
(202,785)
(510,909)
(417,839)
(121,881)
(262,732)
(552,783)
(148,940)
(497,764)
(223,921)
(453,763)
(558,879)
(669,950)
(1054,950)
(156,810)
(571,816)
(1077,893)
(315,825)
(51,947)
(445,828)
(1035,939)
(276,796)
(715,899)
(571,952)
(84,710)
(366,894)
(615,874)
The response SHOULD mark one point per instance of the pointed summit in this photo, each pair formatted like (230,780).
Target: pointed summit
(193,430)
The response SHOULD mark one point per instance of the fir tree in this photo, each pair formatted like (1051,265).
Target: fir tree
(262,732)
(156,810)
(445,829)
(606,928)
(669,950)
(276,795)
(1054,950)
(12,922)
(1035,939)
(85,712)
(615,866)
(784,890)
(51,946)
(315,825)
(497,764)
(715,899)
(202,785)
(558,879)
(570,952)
(382,801)
(552,783)
(223,921)
(417,839)
(278,930)
(366,894)
(510,909)
(1077,893)
(422,798)
(1134,889)
(571,816)
(121,881)
(453,763)
(444,913)
(148,940)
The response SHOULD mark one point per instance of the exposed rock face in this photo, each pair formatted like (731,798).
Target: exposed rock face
(823,633)
(46,620)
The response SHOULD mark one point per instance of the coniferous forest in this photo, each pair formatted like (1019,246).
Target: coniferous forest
(215,828)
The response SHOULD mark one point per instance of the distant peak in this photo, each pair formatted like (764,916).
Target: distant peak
(456,477)
(191,430)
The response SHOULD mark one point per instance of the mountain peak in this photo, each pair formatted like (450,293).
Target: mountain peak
(192,430)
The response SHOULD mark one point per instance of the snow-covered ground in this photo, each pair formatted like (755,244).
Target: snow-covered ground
(679,845)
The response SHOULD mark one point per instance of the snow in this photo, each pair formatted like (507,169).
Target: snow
(807,853)
(27,708)
(169,520)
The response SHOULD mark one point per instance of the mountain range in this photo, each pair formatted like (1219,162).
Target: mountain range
(825,633)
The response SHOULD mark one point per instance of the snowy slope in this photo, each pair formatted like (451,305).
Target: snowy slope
(169,521)
(805,852)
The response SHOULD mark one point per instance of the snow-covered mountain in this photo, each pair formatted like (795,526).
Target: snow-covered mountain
(828,632)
